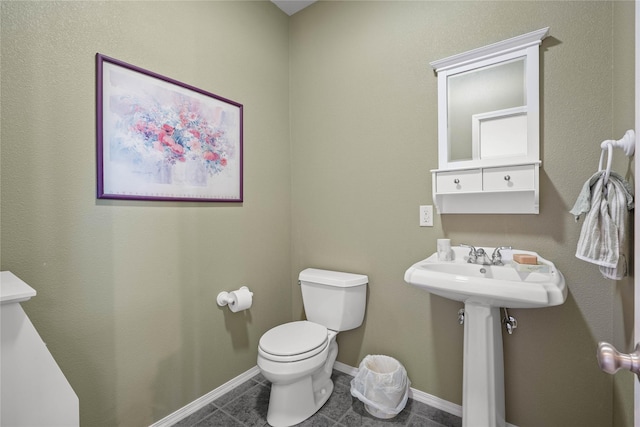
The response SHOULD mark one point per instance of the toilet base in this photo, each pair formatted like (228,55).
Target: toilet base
(293,403)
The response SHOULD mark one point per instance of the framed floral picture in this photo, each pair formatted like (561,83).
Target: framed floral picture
(160,139)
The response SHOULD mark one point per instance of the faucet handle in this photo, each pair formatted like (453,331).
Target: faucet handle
(473,253)
(472,250)
(496,256)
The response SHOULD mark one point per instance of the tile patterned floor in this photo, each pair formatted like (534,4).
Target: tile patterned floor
(246,406)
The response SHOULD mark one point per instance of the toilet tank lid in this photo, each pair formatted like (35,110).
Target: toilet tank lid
(332,278)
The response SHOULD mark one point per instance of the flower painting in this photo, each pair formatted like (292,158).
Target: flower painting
(160,139)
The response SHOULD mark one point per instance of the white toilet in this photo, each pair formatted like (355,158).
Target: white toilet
(298,357)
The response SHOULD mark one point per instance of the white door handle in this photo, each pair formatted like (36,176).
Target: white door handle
(611,360)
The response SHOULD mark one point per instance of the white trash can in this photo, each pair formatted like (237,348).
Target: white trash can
(382,385)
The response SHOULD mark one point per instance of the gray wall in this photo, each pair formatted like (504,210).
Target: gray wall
(364,131)
(126,290)
(340,135)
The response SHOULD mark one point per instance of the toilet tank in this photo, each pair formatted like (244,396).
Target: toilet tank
(334,299)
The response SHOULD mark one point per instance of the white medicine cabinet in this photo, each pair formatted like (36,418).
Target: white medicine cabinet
(489,128)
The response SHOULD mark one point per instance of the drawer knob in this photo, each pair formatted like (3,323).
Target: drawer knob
(456,181)
(507,178)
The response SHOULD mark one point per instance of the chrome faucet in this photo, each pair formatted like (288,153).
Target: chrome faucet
(496,256)
(472,253)
(480,256)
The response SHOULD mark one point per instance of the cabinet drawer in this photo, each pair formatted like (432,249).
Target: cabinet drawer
(463,181)
(511,178)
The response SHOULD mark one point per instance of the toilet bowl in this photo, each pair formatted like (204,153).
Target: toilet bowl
(300,373)
(298,357)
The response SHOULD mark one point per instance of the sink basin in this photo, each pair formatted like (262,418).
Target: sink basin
(492,285)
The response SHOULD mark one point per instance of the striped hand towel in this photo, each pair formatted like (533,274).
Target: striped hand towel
(603,237)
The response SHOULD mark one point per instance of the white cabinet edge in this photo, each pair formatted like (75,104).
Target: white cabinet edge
(13,289)
(523,41)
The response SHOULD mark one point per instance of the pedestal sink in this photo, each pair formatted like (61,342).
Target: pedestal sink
(484,289)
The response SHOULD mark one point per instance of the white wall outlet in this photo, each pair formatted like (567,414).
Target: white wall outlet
(426,216)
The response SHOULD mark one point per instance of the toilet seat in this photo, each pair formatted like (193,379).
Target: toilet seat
(293,341)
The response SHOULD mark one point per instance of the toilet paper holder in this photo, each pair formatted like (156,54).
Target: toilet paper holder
(226,298)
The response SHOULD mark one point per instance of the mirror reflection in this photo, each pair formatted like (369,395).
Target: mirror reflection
(486,110)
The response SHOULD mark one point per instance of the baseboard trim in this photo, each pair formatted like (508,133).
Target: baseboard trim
(344,368)
(201,402)
(435,402)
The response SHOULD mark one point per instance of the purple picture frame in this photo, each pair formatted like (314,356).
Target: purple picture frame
(161,139)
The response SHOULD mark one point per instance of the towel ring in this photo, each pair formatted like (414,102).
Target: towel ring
(628,145)
(607,172)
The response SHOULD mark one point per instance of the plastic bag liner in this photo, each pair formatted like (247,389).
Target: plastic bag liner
(382,385)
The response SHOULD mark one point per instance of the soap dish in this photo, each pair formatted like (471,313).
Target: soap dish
(530,268)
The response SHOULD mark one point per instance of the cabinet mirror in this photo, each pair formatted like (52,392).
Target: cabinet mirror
(488,117)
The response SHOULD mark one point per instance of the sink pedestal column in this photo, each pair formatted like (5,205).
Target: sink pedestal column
(483,375)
